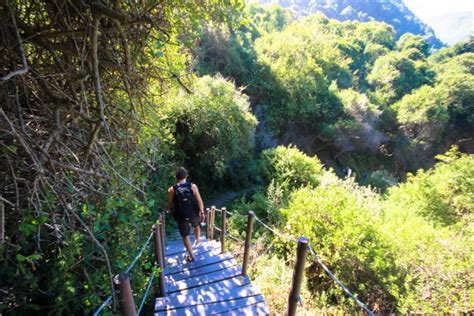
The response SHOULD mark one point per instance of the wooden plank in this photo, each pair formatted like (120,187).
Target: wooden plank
(222,285)
(179,260)
(179,242)
(191,273)
(204,279)
(199,262)
(207,297)
(214,308)
(179,248)
(250,310)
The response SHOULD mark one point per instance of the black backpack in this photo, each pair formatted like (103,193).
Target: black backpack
(184,202)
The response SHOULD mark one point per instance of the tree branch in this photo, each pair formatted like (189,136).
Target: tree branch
(25,68)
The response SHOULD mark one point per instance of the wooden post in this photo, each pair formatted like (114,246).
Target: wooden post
(164,228)
(2,222)
(297,275)
(207,223)
(248,241)
(223,224)
(212,221)
(124,289)
(162,232)
(159,259)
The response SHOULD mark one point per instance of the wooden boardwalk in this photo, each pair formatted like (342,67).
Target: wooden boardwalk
(213,284)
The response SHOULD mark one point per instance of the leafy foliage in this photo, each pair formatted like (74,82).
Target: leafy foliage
(289,167)
(211,127)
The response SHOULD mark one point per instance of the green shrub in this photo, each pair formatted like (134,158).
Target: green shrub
(212,127)
(289,167)
(443,194)
(340,220)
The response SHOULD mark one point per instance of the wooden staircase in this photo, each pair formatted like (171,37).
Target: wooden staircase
(212,284)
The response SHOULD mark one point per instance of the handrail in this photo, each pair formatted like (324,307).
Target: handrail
(101,307)
(145,295)
(129,268)
(318,260)
(325,268)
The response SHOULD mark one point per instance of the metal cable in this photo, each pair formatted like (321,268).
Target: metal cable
(227,211)
(150,283)
(300,301)
(235,238)
(269,228)
(139,254)
(325,269)
(130,267)
(107,301)
(316,257)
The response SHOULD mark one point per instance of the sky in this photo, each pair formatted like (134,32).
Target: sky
(443,16)
(438,7)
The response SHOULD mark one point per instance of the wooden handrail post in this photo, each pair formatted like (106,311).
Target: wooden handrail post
(212,221)
(159,258)
(164,228)
(207,223)
(124,289)
(297,275)
(223,228)
(162,233)
(248,241)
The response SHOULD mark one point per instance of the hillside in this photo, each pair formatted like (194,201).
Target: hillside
(393,12)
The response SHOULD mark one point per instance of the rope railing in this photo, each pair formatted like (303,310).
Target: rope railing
(130,267)
(318,260)
(145,295)
(105,303)
(325,268)
(109,298)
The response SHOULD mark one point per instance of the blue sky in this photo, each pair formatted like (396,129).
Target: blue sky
(452,20)
(438,7)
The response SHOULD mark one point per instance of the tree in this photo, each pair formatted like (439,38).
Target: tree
(212,127)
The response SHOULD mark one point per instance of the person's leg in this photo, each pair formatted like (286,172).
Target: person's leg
(184,232)
(197,230)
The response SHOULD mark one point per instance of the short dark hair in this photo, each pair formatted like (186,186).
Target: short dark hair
(181,173)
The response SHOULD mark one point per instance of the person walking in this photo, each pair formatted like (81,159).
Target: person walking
(188,209)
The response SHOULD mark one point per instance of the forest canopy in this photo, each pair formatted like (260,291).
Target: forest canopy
(350,132)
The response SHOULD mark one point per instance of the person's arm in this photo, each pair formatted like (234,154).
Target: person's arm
(197,195)
(169,201)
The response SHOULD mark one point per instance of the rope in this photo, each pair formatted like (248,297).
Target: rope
(139,254)
(227,211)
(300,301)
(339,282)
(105,303)
(130,267)
(235,238)
(325,269)
(269,228)
(146,293)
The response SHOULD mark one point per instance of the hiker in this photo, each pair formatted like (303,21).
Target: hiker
(183,197)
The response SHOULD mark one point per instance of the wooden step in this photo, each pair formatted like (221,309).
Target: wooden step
(250,310)
(191,273)
(198,263)
(204,279)
(214,308)
(177,248)
(201,253)
(223,285)
(204,297)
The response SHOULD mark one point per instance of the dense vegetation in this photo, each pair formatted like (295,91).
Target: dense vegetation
(100,103)
(407,251)
(392,12)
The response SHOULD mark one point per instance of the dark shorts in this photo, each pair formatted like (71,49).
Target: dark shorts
(184,226)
